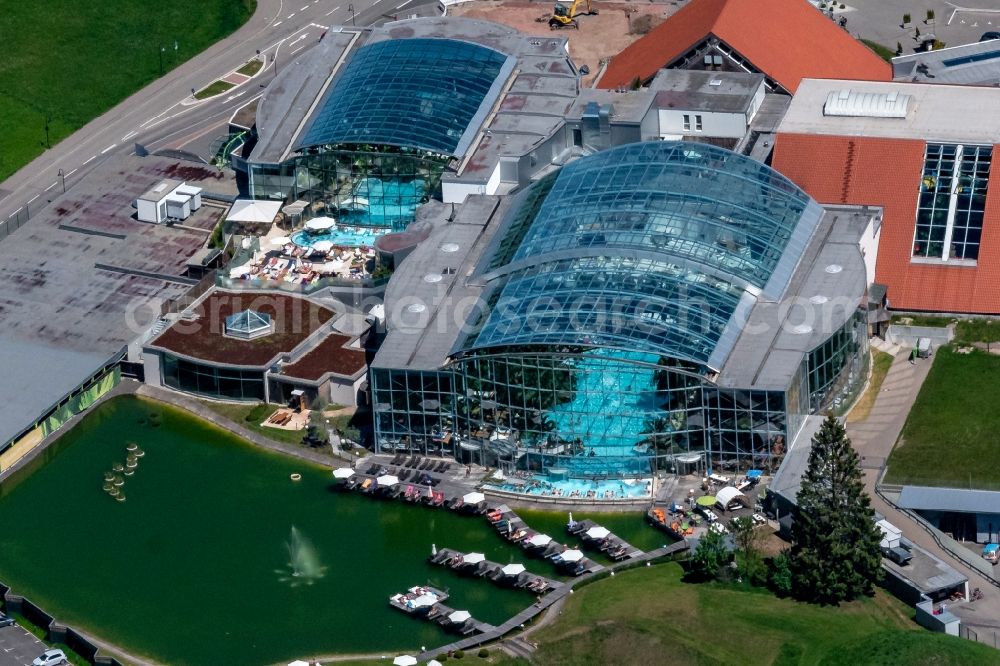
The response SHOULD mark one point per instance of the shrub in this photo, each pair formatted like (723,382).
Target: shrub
(458,654)
(483,653)
(906,19)
(442,657)
(780,575)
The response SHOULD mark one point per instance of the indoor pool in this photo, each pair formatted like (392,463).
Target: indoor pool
(388,203)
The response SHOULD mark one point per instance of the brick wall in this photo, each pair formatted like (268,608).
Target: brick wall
(886,172)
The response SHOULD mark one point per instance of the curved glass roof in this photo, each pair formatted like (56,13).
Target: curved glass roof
(649,246)
(414,93)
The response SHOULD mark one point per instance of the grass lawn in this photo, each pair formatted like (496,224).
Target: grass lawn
(970,331)
(881,362)
(934,321)
(69,61)
(252,67)
(251,415)
(213,89)
(881,51)
(649,616)
(950,435)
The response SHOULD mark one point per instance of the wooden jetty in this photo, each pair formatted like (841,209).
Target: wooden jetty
(611,545)
(511,527)
(418,599)
(492,571)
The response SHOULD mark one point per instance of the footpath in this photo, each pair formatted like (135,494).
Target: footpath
(873,438)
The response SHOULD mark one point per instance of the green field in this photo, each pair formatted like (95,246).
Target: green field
(950,435)
(67,62)
(649,616)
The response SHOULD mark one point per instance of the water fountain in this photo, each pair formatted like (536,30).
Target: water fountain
(303,559)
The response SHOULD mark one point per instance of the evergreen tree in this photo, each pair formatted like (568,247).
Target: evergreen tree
(835,544)
(709,557)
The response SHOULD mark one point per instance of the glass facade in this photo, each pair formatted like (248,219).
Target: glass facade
(839,366)
(611,289)
(414,93)
(952,201)
(588,412)
(210,380)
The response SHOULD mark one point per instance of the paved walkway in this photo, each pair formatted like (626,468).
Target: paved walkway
(873,439)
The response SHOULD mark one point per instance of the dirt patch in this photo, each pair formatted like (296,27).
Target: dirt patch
(616,26)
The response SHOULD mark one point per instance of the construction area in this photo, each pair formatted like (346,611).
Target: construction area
(597,37)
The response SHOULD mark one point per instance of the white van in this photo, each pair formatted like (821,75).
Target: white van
(924,347)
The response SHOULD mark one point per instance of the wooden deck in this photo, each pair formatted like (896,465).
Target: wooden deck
(492,571)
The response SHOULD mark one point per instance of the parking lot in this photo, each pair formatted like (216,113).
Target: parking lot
(18,647)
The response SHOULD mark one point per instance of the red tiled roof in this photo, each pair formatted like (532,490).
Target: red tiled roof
(858,171)
(328,356)
(787,40)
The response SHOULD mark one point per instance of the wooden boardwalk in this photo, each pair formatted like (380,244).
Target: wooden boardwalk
(544,603)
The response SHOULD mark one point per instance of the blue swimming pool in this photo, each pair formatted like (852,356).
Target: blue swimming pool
(609,412)
(383,203)
(543,485)
(342,236)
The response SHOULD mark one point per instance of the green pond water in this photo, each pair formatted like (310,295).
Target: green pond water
(194,567)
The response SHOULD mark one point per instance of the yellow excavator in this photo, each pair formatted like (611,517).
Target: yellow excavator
(565,17)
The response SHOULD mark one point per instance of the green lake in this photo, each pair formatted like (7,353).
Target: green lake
(194,567)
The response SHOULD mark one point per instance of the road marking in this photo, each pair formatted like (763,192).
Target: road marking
(298,49)
(232,97)
(15,213)
(51,186)
(290,15)
(278,23)
(70,173)
(302,9)
(333,10)
(404,4)
(300,38)
(129,135)
(321,27)
(32,199)
(109,148)
(90,160)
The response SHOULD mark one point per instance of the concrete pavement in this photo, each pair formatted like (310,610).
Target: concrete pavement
(873,439)
(280,29)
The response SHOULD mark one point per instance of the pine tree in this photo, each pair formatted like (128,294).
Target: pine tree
(835,544)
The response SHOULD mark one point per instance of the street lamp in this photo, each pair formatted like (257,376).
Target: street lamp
(62,177)
(350,8)
(162,49)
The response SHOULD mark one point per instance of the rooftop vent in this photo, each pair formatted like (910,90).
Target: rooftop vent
(449,247)
(416,308)
(801,329)
(715,82)
(833,269)
(848,103)
(818,299)
(432,277)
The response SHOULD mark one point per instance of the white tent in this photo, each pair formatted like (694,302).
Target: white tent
(513,569)
(322,246)
(298,662)
(253,210)
(540,540)
(473,558)
(727,496)
(571,555)
(404,660)
(460,616)
(321,224)
(281,240)
(598,532)
(474,498)
(387,480)
(434,662)
(343,473)
(239,271)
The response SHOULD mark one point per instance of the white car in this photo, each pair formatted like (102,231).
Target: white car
(50,658)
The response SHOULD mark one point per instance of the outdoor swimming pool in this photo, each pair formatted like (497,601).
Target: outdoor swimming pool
(543,485)
(342,236)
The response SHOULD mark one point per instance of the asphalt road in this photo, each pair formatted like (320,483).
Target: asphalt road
(163,110)
(18,647)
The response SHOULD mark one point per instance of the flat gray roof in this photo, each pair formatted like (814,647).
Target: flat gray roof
(924,498)
(84,277)
(937,112)
(721,92)
(828,285)
(629,107)
(436,276)
(925,571)
(788,479)
(967,64)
